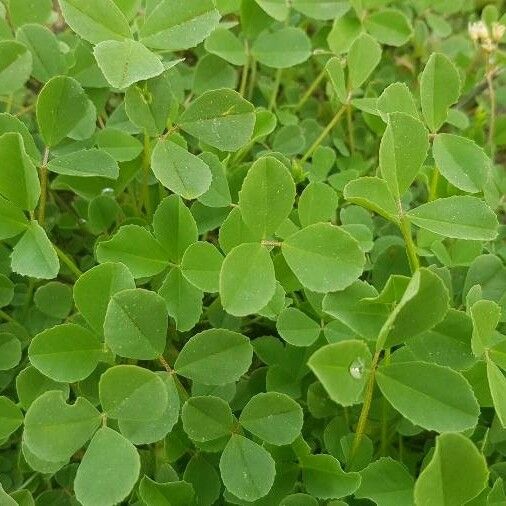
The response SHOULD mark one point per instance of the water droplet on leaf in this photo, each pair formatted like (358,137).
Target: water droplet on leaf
(357,368)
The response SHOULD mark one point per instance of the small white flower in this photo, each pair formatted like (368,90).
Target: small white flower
(478,30)
(471,28)
(488,45)
(498,31)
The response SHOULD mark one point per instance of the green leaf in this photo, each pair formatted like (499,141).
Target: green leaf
(439,89)
(183,300)
(130,392)
(48,59)
(277,9)
(324,257)
(151,431)
(174,227)
(93,290)
(485,315)
(34,255)
(15,66)
(6,499)
(297,328)
(461,161)
(136,324)
(61,105)
(135,247)
(345,30)
(445,480)
(342,369)
(86,163)
(402,152)
(267,196)
(386,482)
(148,105)
(321,9)
(213,73)
(22,12)
(109,469)
(175,493)
(207,418)
(65,353)
(234,232)
(121,146)
(10,417)
(201,266)
(215,356)
(30,384)
(10,124)
(247,469)
(55,430)
(127,62)
(220,118)
(6,291)
(423,305)
(389,26)
(372,193)
(10,351)
(19,182)
(204,478)
(180,171)
(247,287)
(96,20)
(273,417)
(174,26)
(323,477)
(54,299)
(335,71)
(317,203)
(226,45)
(397,98)
(284,48)
(461,217)
(429,395)
(497,385)
(12,220)
(363,57)
(218,194)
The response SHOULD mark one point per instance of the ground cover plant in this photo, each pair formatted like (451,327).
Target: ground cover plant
(252,252)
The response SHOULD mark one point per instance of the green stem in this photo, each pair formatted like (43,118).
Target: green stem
(433,185)
(252,79)
(245,71)
(7,317)
(366,406)
(29,297)
(384,421)
(146,165)
(169,369)
(405,227)
(43,188)
(275,92)
(351,133)
(311,89)
(28,481)
(272,243)
(68,262)
(323,135)
(301,448)
(8,105)
(493,107)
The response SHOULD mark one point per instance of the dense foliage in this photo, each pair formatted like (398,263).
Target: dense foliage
(252,252)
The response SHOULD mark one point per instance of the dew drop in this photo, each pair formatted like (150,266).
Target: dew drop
(357,368)
(108,191)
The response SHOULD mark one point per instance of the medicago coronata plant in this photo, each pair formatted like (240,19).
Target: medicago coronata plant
(252,252)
